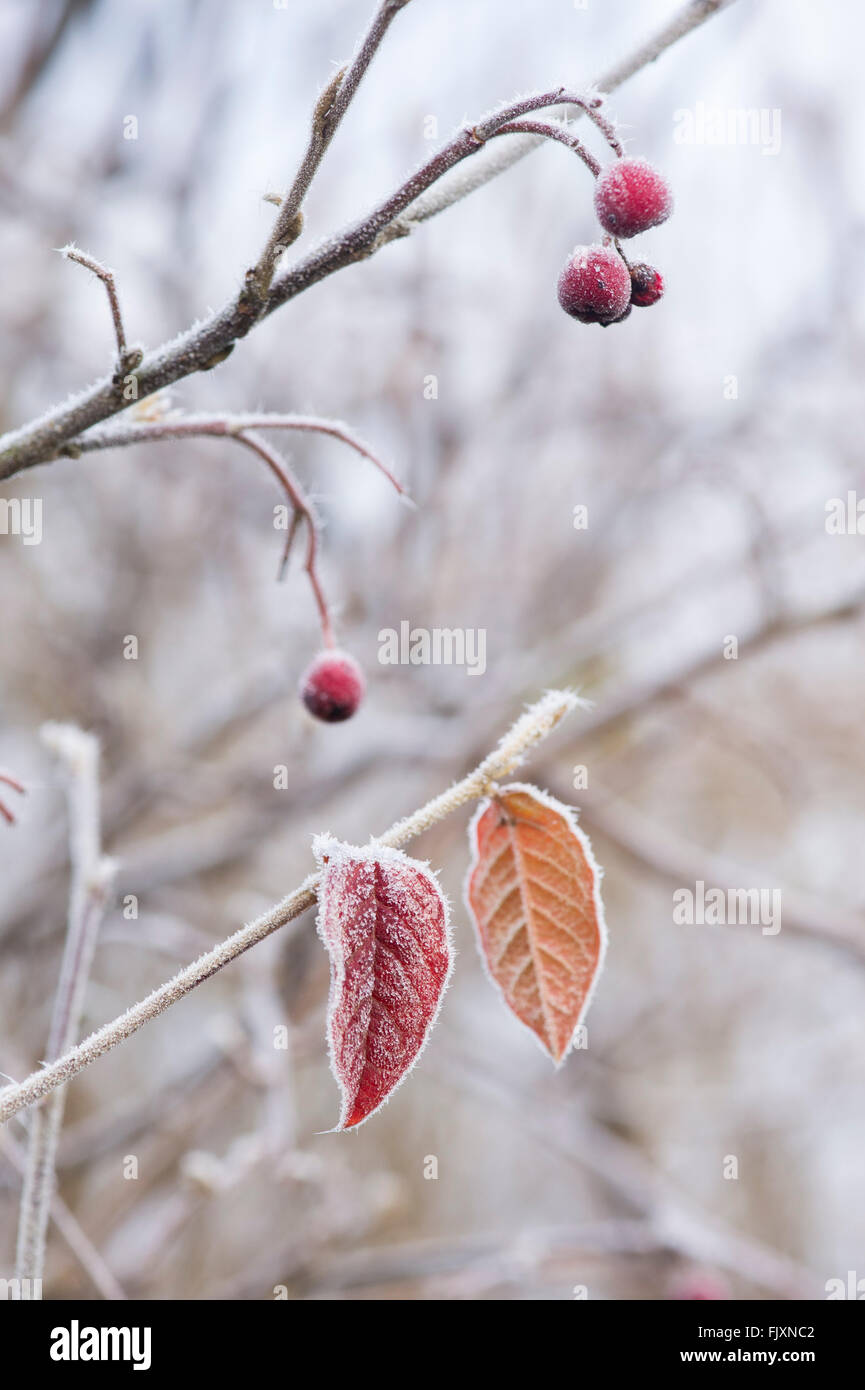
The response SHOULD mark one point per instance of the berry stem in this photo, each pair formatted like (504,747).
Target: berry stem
(551,130)
(244,428)
(591,105)
(302,511)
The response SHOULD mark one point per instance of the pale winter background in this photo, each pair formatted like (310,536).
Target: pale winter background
(705,436)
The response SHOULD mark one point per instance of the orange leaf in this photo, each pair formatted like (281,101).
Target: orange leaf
(533,891)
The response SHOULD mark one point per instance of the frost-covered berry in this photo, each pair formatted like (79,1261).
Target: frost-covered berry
(332,686)
(631,196)
(595,286)
(647,284)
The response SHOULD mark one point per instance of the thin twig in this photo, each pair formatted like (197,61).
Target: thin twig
(690,17)
(201,346)
(242,428)
(591,107)
(127,358)
(222,425)
(327,115)
(303,509)
(69,1229)
(533,726)
(92,876)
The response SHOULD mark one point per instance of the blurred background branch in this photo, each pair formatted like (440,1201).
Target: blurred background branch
(92,877)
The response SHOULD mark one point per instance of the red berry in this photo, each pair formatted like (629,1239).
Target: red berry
(594,286)
(332,686)
(647,284)
(631,196)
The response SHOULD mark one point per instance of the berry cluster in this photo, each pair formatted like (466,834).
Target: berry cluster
(598,284)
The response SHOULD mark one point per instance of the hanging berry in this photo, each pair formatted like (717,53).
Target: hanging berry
(647,285)
(332,686)
(595,286)
(631,196)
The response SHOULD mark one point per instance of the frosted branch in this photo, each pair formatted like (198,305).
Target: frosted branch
(92,877)
(498,161)
(207,343)
(536,724)
(127,358)
(225,425)
(69,1229)
(326,117)
(244,429)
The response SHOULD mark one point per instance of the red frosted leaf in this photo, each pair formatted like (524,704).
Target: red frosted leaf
(533,891)
(384,921)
